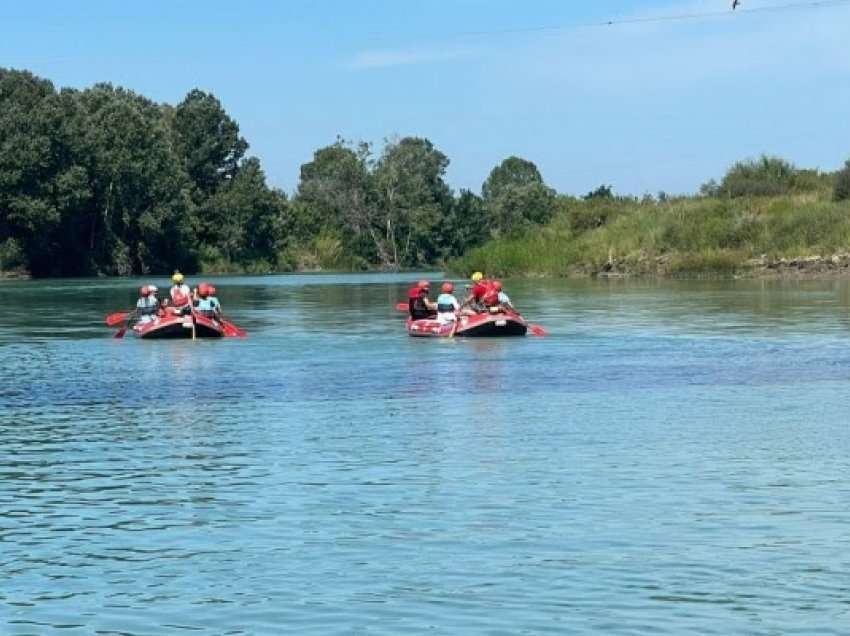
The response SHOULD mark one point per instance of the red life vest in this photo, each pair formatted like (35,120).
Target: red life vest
(179,298)
(490,297)
(480,288)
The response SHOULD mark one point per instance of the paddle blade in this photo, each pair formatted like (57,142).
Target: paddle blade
(113,320)
(232,331)
(402,306)
(120,333)
(539,331)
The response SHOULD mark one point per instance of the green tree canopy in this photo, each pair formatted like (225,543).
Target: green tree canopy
(207,140)
(516,197)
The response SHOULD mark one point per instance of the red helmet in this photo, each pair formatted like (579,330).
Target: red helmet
(423,284)
(204,290)
(144,290)
(448,288)
(497,285)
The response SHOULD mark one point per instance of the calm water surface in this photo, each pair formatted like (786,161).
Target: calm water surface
(673,459)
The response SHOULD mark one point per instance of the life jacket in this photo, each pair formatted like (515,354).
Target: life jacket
(205,304)
(418,309)
(480,288)
(147,306)
(490,297)
(446,303)
(179,297)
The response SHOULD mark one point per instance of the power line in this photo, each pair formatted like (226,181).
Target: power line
(680,17)
(791,6)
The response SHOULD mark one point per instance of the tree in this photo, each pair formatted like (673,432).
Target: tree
(208,141)
(602,192)
(247,218)
(516,197)
(336,196)
(30,161)
(465,227)
(412,200)
(138,217)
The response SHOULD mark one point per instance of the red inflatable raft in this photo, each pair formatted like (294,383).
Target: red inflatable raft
(478,325)
(173,326)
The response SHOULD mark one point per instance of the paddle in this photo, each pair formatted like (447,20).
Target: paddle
(126,317)
(232,330)
(454,327)
(113,320)
(402,306)
(538,331)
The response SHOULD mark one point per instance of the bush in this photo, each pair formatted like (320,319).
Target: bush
(767,176)
(842,184)
(11,256)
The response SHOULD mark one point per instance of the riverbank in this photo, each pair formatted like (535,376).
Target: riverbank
(800,235)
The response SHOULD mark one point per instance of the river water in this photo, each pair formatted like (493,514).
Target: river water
(673,458)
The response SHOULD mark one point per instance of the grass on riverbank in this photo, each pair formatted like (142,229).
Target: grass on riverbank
(681,236)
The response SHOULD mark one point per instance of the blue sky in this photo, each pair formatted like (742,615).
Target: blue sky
(642,105)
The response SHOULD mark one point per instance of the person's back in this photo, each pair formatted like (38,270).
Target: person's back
(208,304)
(447,304)
(489,294)
(420,306)
(147,305)
(502,299)
(181,295)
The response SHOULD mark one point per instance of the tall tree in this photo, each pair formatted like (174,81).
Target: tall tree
(336,195)
(412,200)
(208,141)
(249,218)
(516,196)
(30,163)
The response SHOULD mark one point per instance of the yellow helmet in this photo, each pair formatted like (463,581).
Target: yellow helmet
(177,278)
(477,276)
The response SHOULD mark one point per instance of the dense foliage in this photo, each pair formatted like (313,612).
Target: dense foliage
(801,231)
(103,181)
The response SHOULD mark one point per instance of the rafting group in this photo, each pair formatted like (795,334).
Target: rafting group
(185,313)
(485,311)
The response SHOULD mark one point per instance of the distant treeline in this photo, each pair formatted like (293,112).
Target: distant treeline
(765,217)
(104,181)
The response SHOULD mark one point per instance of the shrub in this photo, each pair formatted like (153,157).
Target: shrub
(11,256)
(767,176)
(842,183)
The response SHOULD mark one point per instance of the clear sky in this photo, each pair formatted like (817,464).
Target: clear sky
(644,105)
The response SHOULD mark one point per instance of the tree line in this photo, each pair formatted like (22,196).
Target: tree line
(104,181)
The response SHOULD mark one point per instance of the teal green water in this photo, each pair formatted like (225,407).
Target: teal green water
(672,459)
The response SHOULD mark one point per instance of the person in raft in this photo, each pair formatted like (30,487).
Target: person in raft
(474,302)
(147,306)
(447,304)
(503,300)
(418,303)
(208,304)
(181,295)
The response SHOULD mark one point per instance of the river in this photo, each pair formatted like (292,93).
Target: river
(671,459)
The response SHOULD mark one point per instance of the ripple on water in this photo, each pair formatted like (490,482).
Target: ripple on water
(672,459)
